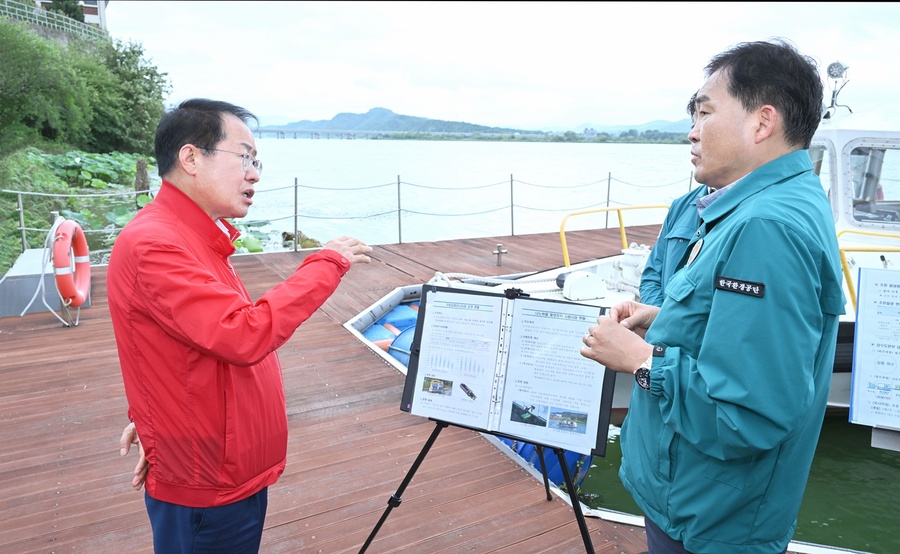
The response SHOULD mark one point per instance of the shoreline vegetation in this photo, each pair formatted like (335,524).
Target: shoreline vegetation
(78,135)
(632,136)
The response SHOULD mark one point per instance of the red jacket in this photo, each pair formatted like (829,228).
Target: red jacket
(198,356)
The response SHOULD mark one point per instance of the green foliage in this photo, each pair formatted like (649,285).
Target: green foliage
(68,8)
(97,98)
(252,238)
(93,179)
(109,120)
(248,243)
(49,104)
(59,107)
(18,172)
(87,170)
(89,176)
(308,242)
(142,88)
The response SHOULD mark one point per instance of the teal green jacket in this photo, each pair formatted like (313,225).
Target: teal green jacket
(718,452)
(675,234)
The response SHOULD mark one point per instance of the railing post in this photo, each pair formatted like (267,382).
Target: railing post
(608,187)
(296,215)
(512,215)
(399,220)
(21,209)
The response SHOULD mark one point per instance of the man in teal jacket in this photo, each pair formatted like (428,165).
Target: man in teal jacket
(734,368)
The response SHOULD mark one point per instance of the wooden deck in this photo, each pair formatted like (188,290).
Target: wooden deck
(65,489)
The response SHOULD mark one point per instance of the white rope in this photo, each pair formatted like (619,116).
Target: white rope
(443,279)
(48,252)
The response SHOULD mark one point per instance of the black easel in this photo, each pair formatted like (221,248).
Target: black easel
(396,498)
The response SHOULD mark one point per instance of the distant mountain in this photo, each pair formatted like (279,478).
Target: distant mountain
(382,119)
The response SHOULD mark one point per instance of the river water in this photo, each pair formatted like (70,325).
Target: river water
(388,191)
(385,191)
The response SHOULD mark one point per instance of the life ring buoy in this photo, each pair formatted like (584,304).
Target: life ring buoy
(73,280)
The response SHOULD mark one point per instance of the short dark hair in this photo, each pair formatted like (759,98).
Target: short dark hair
(196,121)
(692,108)
(775,72)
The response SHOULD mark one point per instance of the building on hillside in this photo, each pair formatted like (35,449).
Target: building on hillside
(94,10)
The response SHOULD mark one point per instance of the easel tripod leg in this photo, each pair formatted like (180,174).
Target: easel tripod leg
(576,505)
(540,450)
(395,500)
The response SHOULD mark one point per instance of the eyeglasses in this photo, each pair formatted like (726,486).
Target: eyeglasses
(247,161)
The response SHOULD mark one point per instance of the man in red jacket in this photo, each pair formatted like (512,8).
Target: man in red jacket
(198,356)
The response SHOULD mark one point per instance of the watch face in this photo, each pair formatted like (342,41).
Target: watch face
(642,378)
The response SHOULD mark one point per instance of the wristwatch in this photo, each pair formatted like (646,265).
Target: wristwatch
(642,375)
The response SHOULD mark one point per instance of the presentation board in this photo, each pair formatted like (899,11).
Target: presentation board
(509,365)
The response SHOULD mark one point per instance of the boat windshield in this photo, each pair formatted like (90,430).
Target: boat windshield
(818,154)
(875,174)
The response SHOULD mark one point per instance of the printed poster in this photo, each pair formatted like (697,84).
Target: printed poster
(875,383)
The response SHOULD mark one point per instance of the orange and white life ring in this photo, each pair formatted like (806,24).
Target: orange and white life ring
(73,280)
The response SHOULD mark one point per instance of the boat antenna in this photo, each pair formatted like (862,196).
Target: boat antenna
(836,71)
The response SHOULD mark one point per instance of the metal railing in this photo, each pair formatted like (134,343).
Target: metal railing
(30,202)
(845,265)
(31,13)
(618,210)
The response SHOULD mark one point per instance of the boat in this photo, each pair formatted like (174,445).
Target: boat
(858,162)
(857,157)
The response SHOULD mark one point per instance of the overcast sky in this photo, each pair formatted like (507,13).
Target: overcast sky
(524,65)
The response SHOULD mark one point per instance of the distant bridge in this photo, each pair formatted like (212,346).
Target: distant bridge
(291,132)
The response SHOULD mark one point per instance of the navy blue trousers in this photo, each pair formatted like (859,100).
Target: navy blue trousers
(235,528)
(658,542)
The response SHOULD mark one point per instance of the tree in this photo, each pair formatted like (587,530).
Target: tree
(108,119)
(49,104)
(142,88)
(68,8)
(97,97)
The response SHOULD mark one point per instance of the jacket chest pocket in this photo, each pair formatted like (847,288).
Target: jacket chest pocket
(685,313)
(680,287)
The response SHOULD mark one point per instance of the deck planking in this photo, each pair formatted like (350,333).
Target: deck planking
(64,488)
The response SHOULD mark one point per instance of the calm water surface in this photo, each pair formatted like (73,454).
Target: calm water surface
(850,500)
(452,190)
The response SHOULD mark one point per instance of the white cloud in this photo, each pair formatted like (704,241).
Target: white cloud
(526,65)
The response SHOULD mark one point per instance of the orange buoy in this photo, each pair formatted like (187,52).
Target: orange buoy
(73,277)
